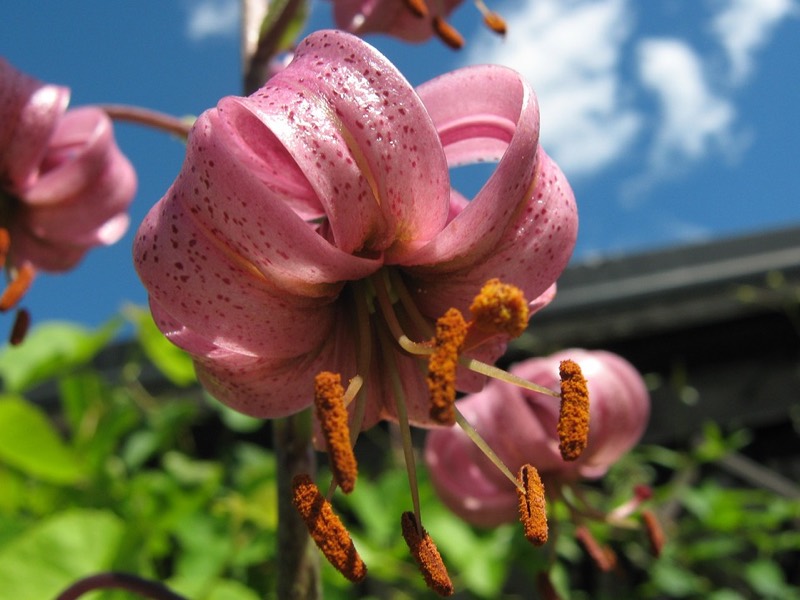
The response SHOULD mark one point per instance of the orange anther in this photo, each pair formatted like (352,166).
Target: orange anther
(573,418)
(5,246)
(451,330)
(532,505)
(16,289)
(495,22)
(417,7)
(326,529)
(447,33)
(332,415)
(426,555)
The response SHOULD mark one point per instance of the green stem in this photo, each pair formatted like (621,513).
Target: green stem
(297,556)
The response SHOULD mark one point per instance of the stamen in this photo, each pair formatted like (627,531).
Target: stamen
(491,19)
(20,328)
(332,415)
(599,554)
(451,330)
(532,505)
(655,534)
(326,529)
(16,289)
(500,308)
(573,419)
(417,7)
(5,246)
(447,33)
(476,438)
(426,555)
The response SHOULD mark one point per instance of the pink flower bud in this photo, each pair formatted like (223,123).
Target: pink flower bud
(521,427)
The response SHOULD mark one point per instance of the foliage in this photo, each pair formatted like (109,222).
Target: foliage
(134,469)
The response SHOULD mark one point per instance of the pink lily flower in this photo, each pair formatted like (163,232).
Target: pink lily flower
(64,184)
(314,217)
(409,20)
(520,426)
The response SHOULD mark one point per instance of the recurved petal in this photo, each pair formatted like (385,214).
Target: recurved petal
(482,113)
(205,286)
(29,111)
(347,116)
(227,190)
(532,251)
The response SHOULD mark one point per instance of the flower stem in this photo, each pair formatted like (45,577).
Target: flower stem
(297,559)
(148,118)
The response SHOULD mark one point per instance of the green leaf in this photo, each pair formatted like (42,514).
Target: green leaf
(53,554)
(31,444)
(766,578)
(52,349)
(170,360)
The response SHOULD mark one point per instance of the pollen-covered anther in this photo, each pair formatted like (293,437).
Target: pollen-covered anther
(573,418)
(491,19)
(326,529)
(417,7)
(426,555)
(447,33)
(451,331)
(532,505)
(332,415)
(16,289)
(500,308)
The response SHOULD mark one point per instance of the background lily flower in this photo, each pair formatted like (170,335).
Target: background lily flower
(520,426)
(65,186)
(312,213)
(399,18)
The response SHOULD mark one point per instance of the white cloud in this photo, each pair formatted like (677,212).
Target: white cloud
(212,18)
(692,117)
(570,52)
(744,26)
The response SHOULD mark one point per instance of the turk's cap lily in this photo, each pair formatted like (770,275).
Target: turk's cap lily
(408,20)
(65,186)
(521,427)
(298,205)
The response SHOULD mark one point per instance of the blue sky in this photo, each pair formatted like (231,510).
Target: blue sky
(675,121)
